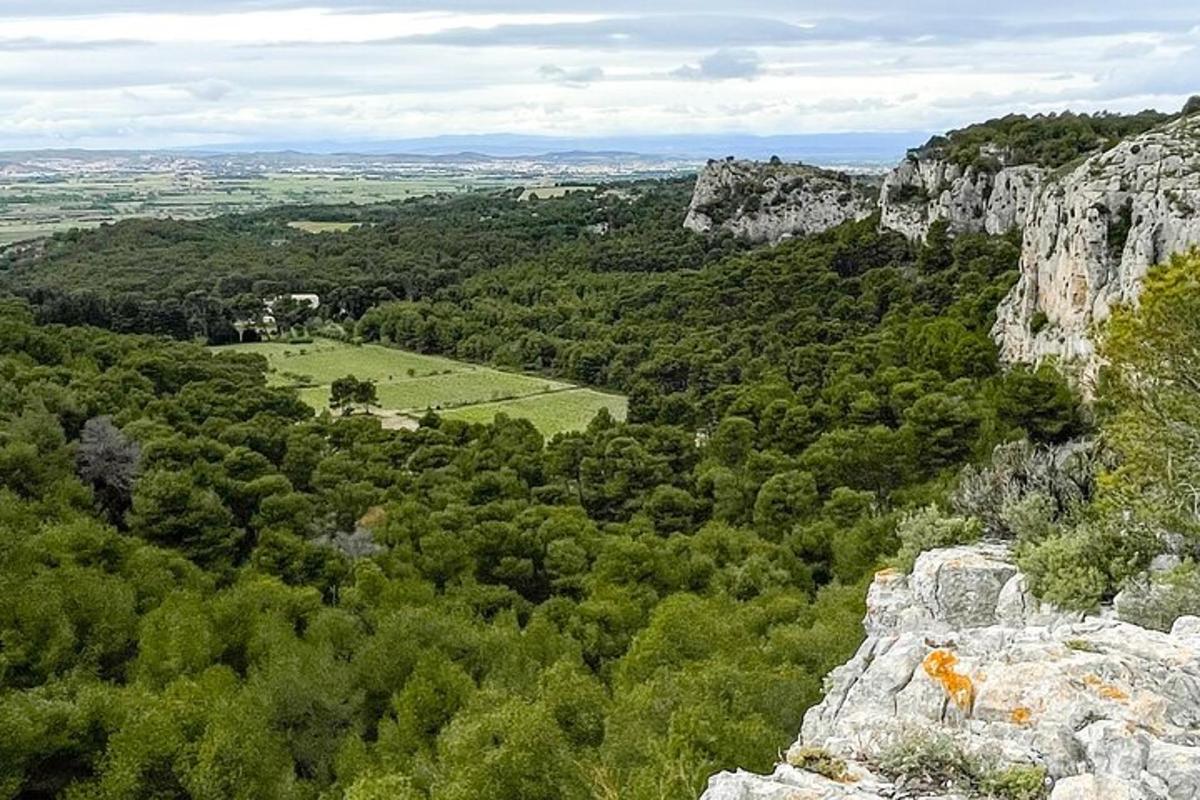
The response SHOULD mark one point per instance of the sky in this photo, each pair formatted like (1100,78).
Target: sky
(142,74)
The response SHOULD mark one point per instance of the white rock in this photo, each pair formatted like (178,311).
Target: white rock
(926,188)
(1075,265)
(1187,625)
(1091,787)
(1111,710)
(768,202)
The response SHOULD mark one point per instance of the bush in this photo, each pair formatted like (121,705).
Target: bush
(925,760)
(1079,568)
(1162,598)
(928,529)
(1065,475)
(1016,782)
(820,761)
(1038,321)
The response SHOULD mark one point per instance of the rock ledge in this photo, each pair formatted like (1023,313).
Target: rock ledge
(960,647)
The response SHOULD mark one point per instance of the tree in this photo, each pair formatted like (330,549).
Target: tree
(107,460)
(1150,397)
(345,393)
(170,510)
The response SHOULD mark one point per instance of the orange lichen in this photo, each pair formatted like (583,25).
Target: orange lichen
(1021,715)
(1113,693)
(1105,690)
(939,665)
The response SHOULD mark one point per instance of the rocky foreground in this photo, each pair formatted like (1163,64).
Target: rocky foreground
(960,652)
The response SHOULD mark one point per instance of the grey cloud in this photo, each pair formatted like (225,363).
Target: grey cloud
(210,90)
(578,76)
(1126,50)
(31,43)
(722,65)
(917,9)
(691,31)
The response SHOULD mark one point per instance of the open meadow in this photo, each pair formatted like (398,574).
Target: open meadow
(410,384)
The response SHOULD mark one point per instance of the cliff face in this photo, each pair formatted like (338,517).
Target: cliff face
(769,202)
(1091,236)
(961,651)
(926,188)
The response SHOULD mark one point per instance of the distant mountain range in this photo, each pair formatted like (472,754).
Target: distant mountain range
(850,149)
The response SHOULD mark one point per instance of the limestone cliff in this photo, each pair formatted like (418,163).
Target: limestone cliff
(960,652)
(768,202)
(1091,235)
(926,187)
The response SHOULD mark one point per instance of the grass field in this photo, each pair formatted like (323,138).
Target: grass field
(311,226)
(409,384)
(35,207)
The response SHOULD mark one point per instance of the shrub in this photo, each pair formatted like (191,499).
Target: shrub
(925,760)
(1065,475)
(820,761)
(1079,568)
(1016,782)
(1163,598)
(928,759)
(1038,321)
(929,528)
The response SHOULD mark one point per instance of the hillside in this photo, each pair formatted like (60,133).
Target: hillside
(212,591)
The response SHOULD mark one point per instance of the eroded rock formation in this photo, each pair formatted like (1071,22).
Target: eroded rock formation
(1092,234)
(768,202)
(961,649)
(926,188)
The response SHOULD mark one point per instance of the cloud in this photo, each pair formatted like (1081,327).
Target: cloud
(31,43)
(1127,50)
(210,91)
(576,76)
(721,65)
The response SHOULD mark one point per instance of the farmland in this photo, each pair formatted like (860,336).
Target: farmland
(409,384)
(33,208)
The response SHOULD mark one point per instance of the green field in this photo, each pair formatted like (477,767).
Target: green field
(410,384)
(312,226)
(35,207)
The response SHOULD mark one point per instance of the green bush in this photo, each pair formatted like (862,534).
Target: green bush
(1038,321)
(1079,568)
(1016,782)
(928,529)
(820,761)
(926,760)
(1164,598)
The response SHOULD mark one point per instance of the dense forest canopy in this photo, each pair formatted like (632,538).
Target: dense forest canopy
(209,591)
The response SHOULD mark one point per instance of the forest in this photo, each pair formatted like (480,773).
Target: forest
(209,591)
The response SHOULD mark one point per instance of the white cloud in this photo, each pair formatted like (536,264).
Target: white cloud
(189,72)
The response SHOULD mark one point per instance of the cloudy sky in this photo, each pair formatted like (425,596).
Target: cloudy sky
(140,73)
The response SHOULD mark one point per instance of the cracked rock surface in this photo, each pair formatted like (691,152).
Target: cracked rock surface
(1092,234)
(769,202)
(960,647)
(924,189)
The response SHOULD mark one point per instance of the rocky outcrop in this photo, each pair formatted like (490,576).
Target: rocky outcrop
(926,188)
(960,649)
(1092,234)
(768,202)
